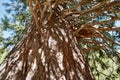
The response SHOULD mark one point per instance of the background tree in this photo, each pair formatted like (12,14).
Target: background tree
(80,20)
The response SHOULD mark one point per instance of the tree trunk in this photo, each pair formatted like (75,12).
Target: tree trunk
(48,51)
(51,55)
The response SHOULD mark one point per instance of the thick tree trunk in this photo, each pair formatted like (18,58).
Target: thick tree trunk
(48,51)
(51,55)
